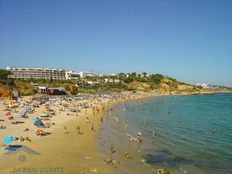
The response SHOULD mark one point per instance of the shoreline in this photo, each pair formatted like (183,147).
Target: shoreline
(71,148)
(180,163)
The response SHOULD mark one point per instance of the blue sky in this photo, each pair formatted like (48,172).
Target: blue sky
(190,40)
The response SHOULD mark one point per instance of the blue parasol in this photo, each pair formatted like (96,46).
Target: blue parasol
(8,139)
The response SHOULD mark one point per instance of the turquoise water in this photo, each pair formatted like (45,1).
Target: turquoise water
(194,133)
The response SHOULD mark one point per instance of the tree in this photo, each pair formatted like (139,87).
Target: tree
(156,78)
(51,80)
(122,76)
(133,75)
(4,73)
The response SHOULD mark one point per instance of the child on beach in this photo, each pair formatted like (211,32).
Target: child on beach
(78,129)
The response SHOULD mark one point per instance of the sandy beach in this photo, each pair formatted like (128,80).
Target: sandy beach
(72,124)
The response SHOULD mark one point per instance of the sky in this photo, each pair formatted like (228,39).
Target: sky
(190,40)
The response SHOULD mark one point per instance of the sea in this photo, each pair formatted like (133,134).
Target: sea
(183,134)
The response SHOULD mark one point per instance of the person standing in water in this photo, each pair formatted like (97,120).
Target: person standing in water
(139,138)
(144,123)
(153,133)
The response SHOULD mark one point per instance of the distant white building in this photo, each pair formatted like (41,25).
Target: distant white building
(113,74)
(111,80)
(69,75)
(86,74)
(91,82)
(203,85)
(42,89)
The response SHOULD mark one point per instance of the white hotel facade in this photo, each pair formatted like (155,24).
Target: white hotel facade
(45,73)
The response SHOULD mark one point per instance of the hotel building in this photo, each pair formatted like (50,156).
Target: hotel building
(36,73)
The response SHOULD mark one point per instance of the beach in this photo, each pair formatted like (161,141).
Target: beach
(101,134)
(67,143)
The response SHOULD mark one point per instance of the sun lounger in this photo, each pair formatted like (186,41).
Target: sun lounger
(10,149)
(13,147)
(17,122)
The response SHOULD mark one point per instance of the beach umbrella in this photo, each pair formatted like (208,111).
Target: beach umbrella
(38,123)
(8,139)
(34,120)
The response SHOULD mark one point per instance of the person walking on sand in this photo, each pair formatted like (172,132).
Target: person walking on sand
(92,128)
(87,119)
(65,130)
(111,152)
(78,129)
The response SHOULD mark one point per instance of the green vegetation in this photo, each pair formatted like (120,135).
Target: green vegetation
(3,78)
(4,73)
(24,88)
(104,84)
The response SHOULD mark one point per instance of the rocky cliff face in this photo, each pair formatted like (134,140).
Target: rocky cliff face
(5,92)
(165,86)
(223,89)
(138,86)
